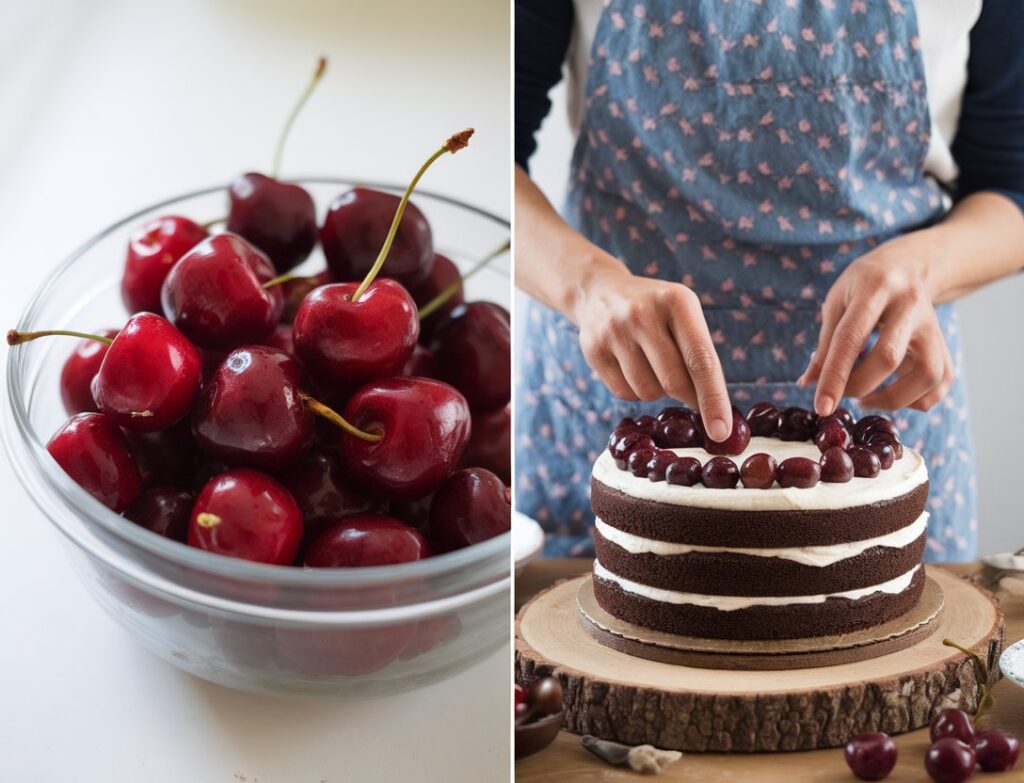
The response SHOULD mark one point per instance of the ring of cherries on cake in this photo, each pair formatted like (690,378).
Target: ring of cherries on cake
(205,417)
(848,448)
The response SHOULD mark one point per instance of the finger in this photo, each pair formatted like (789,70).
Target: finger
(830,313)
(845,345)
(884,358)
(932,398)
(916,379)
(690,332)
(667,363)
(604,364)
(638,372)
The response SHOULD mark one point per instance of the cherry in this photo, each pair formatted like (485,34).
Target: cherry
(949,760)
(763,419)
(996,750)
(628,442)
(415,432)
(836,466)
(884,452)
(796,424)
(678,433)
(758,471)
(871,755)
(282,338)
(246,514)
(296,289)
(832,434)
(79,370)
(737,441)
(472,349)
(658,464)
(637,462)
(518,696)
(324,494)
(163,510)
(872,424)
(215,294)
(490,443)
(152,251)
(720,473)
(799,472)
(844,416)
(420,363)
(648,424)
(366,540)
(893,441)
(543,697)
(951,723)
(444,274)
(252,412)
(671,412)
(94,453)
(166,456)
(684,472)
(471,506)
(865,462)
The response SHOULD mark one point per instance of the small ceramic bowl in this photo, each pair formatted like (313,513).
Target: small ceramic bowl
(527,539)
(533,737)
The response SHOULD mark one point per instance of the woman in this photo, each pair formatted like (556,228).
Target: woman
(768,200)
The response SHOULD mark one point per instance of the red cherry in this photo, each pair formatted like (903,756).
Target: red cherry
(865,462)
(277,217)
(836,466)
(473,505)
(323,492)
(282,339)
(443,273)
(93,452)
(366,540)
(951,723)
(215,294)
(799,472)
(152,251)
(472,349)
(758,471)
(252,412)
(737,441)
(684,472)
(832,434)
(431,634)
(419,430)
(871,756)
(79,370)
(720,473)
(248,515)
(763,419)
(420,363)
(949,760)
(163,510)
(296,289)
(167,456)
(490,443)
(997,751)
(657,466)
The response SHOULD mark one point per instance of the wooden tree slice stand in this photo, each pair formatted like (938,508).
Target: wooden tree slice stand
(635,700)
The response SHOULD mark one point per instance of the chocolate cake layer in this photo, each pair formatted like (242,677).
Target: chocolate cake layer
(748,529)
(729,573)
(794,621)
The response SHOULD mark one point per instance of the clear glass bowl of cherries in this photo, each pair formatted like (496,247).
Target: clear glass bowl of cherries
(286,465)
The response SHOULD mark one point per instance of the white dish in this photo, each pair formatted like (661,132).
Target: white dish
(527,539)
(1012,663)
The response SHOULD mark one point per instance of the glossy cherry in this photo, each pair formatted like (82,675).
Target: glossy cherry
(79,370)
(277,217)
(684,472)
(799,472)
(865,462)
(796,424)
(949,760)
(323,491)
(420,428)
(658,465)
(168,456)
(366,540)
(678,433)
(720,473)
(871,755)
(951,723)
(996,751)
(215,294)
(874,439)
(758,471)
(471,506)
(737,441)
(884,452)
(638,461)
(472,349)
(252,411)
(832,434)
(420,363)
(282,339)
(246,514)
(94,453)
(763,419)
(836,466)
(152,250)
(443,274)
(490,443)
(163,510)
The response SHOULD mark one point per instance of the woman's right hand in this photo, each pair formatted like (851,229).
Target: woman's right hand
(647,339)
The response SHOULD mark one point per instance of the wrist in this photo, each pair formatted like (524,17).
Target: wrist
(595,270)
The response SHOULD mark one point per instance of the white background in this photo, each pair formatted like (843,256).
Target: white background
(107,106)
(993,331)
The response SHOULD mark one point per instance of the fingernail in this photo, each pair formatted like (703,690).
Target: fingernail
(718,430)
(826,405)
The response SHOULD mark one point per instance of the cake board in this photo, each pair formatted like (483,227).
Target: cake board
(617,696)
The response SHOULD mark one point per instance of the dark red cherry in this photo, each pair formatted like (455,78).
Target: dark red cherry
(884,452)
(167,456)
(870,424)
(832,434)
(996,751)
(420,429)
(799,472)
(490,443)
(658,464)
(79,370)
(323,491)
(637,461)
(94,453)
(420,363)
(215,294)
(836,466)
(678,433)
(471,506)
(763,420)
(472,349)
(684,472)
(246,514)
(845,417)
(758,471)
(366,540)
(737,441)
(282,339)
(252,412)
(629,442)
(277,217)
(674,412)
(893,441)
(871,756)
(865,462)
(443,274)
(298,288)
(152,250)
(347,343)
(720,473)
(163,510)
(951,723)
(648,424)
(626,423)
(950,761)
(796,424)
(354,230)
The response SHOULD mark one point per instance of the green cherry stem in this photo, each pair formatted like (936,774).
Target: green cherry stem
(321,66)
(335,418)
(453,144)
(438,301)
(287,277)
(15,337)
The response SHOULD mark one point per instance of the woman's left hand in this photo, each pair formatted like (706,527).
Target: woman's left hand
(885,289)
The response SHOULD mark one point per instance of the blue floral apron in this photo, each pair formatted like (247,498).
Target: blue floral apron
(750,150)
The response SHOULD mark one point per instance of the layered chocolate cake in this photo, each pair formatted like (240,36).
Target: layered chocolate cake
(811,527)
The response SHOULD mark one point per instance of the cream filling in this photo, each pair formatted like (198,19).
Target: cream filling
(807,555)
(903,477)
(729,603)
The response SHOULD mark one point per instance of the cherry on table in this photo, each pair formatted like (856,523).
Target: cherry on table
(163,510)
(871,755)
(836,466)
(471,506)
(949,760)
(799,472)
(684,472)
(951,723)
(79,370)
(758,471)
(94,453)
(472,349)
(720,473)
(738,440)
(366,540)
(996,751)
(490,443)
(152,250)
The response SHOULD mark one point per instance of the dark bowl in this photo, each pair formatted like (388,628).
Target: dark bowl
(535,736)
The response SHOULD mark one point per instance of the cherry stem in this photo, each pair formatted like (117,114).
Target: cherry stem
(287,277)
(208,520)
(321,66)
(438,301)
(453,144)
(335,418)
(15,337)
(215,222)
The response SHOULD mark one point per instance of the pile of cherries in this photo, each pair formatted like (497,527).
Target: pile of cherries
(211,416)
(848,448)
(541,699)
(956,750)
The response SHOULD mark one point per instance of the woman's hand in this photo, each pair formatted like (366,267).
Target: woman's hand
(888,289)
(648,339)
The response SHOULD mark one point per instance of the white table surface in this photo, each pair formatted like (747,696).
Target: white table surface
(109,105)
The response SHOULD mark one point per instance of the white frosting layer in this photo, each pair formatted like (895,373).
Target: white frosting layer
(729,603)
(807,555)
(905,474)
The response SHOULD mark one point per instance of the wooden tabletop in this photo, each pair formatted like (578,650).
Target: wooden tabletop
(565,761)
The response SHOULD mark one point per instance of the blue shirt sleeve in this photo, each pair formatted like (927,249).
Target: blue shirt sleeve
(989,142)
(542,32)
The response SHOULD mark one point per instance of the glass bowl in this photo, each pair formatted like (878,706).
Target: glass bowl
(360,632)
